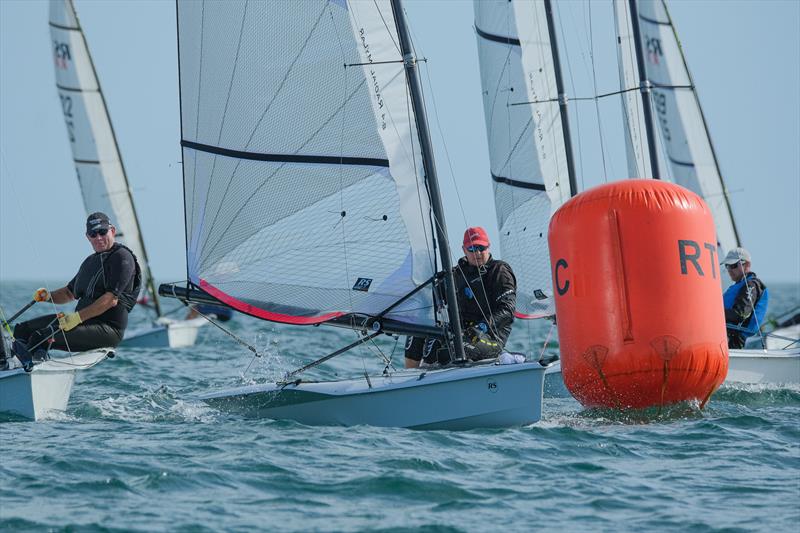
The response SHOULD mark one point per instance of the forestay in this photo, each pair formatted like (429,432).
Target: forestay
(685,141)
(304,192)
(98,163)
(526,142)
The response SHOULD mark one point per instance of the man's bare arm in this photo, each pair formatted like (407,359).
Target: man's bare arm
(62,296)
(99,306)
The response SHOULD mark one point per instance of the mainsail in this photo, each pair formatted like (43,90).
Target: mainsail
(98,163)
(305,196)
(684,138)
(527,149)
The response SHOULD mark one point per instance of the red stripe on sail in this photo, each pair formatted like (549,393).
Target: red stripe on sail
(261,313)
(523,316)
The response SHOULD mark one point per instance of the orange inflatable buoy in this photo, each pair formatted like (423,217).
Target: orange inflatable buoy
(638,295)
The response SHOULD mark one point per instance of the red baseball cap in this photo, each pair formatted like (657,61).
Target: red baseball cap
(476,235)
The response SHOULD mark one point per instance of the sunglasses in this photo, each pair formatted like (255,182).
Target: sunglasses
(477,248)
(731,267)
(94,233)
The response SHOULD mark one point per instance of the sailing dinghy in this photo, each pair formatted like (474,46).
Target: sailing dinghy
(531,149)
(98,164)
(311,198)
(43,389)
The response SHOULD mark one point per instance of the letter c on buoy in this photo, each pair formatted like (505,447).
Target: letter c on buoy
(561,290)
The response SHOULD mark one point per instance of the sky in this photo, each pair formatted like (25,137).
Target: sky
(744,56)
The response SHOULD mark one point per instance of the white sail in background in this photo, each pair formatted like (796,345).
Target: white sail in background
(98,164)
(684,139)
(631,98)
(305,196)
(526,142)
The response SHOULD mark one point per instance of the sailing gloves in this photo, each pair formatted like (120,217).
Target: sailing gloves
(41,295)
(69,321)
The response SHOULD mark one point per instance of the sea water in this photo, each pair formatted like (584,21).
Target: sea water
(136,451)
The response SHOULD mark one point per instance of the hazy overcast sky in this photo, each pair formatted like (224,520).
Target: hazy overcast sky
(744,56)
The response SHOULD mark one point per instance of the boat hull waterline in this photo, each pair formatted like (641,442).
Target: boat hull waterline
(480,396)
(47,387)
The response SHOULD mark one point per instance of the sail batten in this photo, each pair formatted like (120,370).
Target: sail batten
(287,158)
(305,194)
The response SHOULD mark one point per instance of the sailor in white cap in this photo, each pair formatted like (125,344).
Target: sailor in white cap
(745,301)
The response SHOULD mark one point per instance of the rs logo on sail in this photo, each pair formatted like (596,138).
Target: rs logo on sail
(62,55)
(654,52)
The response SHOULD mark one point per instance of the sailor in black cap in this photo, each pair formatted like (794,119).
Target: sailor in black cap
(106,287)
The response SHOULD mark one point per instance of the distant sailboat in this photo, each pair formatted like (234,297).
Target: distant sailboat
(311,198)
(531,152)
(98,164)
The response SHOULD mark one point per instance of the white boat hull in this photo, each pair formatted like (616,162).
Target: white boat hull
(480,396)
(47,387)
(764,366)
(779,367)
(165,333)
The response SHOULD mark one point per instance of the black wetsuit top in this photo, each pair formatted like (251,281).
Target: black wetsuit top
(116,271)
(487,294)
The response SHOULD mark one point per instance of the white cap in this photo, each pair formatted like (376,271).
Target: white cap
(737,255)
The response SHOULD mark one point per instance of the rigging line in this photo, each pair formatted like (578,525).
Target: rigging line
(421,187)
(583,98)
(340,168)
(392,62)
(513,149)
(331,355)
(372,348)
(510,149)
(597,104)
(572,82)
(487,320)
(547,339)
(258,123)
(444,143)
(385,25)
(229,333)
(404,298)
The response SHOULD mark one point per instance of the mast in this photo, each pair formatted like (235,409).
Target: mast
(646,89)
(705,124)
(410,63)
(149,281)
(562,98)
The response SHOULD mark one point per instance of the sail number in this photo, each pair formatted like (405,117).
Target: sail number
(66,107)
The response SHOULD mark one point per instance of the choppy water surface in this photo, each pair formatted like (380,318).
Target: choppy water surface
(136,452)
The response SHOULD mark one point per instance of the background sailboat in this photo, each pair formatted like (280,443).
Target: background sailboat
(311,198)
(98,165)
(518,51)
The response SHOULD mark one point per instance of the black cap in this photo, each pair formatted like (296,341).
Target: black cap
(97,221)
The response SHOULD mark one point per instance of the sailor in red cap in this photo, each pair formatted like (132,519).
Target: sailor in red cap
(487,293)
